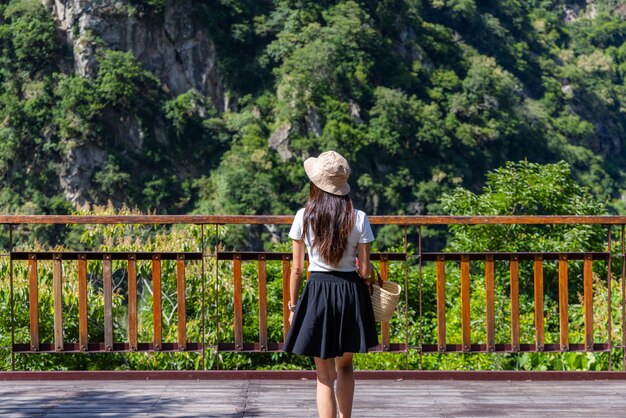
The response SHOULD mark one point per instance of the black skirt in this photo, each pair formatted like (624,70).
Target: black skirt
(334,316)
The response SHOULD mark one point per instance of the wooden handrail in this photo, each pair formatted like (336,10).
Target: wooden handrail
(106,259)
(288,219)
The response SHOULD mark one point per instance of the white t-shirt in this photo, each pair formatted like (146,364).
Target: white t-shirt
(361,233)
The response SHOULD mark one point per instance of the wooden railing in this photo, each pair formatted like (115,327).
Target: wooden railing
(108,344)
(513,260)
(261,258)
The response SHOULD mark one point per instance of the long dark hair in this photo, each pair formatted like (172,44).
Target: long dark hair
(331,218)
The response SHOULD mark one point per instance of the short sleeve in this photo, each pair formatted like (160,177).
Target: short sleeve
(295,232)
(365,234)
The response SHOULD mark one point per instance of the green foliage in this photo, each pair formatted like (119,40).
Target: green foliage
(32,35)
(525,188)
(122,82)
(328,58)
(78,109)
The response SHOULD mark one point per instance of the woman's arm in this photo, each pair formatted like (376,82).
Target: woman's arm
(297,267)
(363,253)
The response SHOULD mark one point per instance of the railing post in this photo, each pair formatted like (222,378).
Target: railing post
(610,299)
(419,255)
(490,308)
(203,304)
(286,278)
(563,303)
(217,298)
(132,302)
(588,301)
(465,303)
(181,293)
(57,285)
(156,302)
(33,297)
(262,303)
(107,285)
(83,334)
(237,308)
(538,290)
(623,288)
(514,277)
(406,303)
(11,297)
(441,303)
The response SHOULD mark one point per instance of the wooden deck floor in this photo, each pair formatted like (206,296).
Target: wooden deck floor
(296,398)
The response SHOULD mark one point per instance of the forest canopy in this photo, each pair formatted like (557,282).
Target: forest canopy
(422,96)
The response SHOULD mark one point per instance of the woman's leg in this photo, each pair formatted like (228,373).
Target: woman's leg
(326,376)
(345,384)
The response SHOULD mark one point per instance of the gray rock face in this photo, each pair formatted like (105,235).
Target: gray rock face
(313,122)
(77,170)
(172,46)
(176,50)
(279,141)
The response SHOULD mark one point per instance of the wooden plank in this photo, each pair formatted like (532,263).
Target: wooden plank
(278,256)
(480,256)
(122,255)
(538,287)
(465,303)
(83,333)
(404,397)
(132,303)
(288,219)
(181,297)
(262,302)
(588,301)
(563,303)
(253,255)
(490,308)
(33,303)
(385,332)
(238,308)
(514,276)
(441,303)
(286,270)
(57,289)
(157,316)
(107,287)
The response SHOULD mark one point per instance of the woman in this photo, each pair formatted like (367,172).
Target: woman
(334,316)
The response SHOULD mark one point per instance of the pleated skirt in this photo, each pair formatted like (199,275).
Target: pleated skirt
(333,316)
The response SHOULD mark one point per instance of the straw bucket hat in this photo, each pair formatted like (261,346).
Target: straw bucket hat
(329,172)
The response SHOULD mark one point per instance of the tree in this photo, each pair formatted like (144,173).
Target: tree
(526,188)
(522,188)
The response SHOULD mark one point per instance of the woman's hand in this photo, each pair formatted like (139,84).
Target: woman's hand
(290,317)
(366,279)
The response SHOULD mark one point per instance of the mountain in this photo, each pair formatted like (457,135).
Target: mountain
(211,106)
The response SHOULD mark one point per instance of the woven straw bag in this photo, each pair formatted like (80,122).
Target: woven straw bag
(385,296)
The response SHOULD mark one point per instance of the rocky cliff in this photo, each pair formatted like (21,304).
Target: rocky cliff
(172,46)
